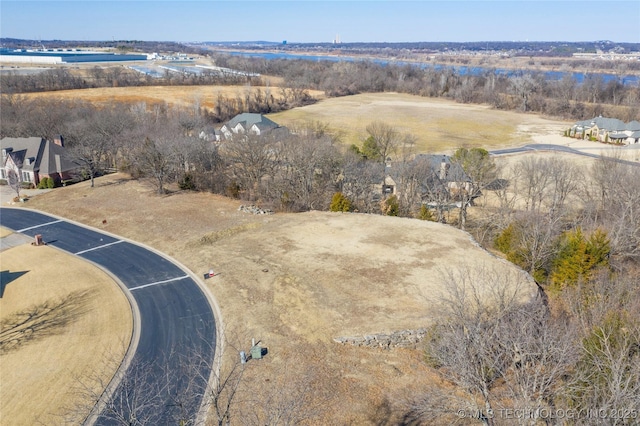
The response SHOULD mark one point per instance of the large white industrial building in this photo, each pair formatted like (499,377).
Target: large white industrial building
(64,56)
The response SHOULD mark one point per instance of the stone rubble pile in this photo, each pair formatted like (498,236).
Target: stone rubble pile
(254,209)
(397,339)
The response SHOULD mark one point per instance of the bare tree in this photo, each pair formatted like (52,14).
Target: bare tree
(308,170)
(92,140)
(14,181)
(412,179)
(542,352)
(534,182)
(523,86)
(358,181)
(223,391)
(480,170)
(252,159)
(127,398)
(48,118)
(607,376)
(385,140)
(617,202)
(467,344)
(535,241)
(159,152)
(205,165)
(297,394)
(565,179)
(137,400)
(13,111)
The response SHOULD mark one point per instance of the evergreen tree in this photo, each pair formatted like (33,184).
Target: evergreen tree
(579,257)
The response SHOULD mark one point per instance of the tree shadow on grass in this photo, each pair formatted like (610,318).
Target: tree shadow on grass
(45,319)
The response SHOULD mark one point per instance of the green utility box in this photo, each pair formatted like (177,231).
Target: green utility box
(256,352)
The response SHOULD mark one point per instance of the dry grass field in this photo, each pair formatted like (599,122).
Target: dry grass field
(62,319)
(179,96)
(295,282)
(439,125)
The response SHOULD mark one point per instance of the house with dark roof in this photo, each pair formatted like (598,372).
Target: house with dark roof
(210,134)
(249,123)
(434,177)
(605,129)
(33,159)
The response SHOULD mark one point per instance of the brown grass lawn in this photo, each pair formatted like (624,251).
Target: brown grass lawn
(292,281)
(182,96)
(295,282)
(439,125)
(80,328)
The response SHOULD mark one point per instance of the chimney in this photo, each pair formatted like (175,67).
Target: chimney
(6,152)
(444,167)
(59,140)
(58,164)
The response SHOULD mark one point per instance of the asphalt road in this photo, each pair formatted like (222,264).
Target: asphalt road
(556,148)
(173,358)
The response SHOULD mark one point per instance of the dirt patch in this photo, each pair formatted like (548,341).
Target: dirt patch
(63,321)
(295,282)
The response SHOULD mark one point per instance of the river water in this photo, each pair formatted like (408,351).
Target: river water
(579,77)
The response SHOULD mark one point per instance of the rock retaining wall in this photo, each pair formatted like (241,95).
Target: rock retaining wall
(397,339)
(254,209)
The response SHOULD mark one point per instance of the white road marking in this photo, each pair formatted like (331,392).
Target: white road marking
(99,247)
(38,226)
(158,282)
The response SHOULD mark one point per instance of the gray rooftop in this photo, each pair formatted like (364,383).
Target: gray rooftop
(249,119)
(42,152)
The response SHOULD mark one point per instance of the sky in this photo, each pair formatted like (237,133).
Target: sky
(306,21)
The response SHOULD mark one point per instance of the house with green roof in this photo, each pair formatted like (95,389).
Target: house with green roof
(249,123)
(605,129)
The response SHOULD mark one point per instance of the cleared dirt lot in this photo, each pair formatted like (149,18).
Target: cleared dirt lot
(295,282)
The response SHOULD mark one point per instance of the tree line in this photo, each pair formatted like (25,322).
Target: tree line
(524,90)
(575,230)
(572,354)
(113,76)
(527,90)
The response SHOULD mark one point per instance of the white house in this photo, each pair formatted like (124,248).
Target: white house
(605,129)
(248,123)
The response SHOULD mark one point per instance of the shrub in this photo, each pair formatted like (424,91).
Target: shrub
(390,206)
(426,214)
(46,183)
(233,190)
(504,240)
(579,257)
(340,203)
(187,183)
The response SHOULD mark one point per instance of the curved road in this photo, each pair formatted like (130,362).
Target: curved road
(172,363)
(557,148)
